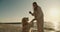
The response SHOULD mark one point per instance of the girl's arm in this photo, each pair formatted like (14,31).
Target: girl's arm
(32,23)
(31,13)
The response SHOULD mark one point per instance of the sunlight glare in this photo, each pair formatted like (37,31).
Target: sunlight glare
(54,16)
(54,12)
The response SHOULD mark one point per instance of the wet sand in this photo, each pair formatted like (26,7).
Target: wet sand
(9,28)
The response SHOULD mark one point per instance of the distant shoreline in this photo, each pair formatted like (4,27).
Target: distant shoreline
(12,23)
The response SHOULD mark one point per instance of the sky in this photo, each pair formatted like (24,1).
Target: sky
(15,10)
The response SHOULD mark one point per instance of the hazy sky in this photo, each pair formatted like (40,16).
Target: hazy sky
(15,10)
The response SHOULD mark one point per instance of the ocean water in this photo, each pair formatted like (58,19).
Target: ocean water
(18,27)
(35,27)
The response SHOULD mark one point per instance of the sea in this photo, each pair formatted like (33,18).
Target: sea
(35,26)
(47,27)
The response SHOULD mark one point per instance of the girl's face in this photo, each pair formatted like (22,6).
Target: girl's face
(34,5)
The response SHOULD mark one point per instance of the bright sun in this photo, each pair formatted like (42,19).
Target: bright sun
(54,16)
(54,12)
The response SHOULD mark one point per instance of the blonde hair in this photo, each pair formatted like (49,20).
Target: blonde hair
(24,21)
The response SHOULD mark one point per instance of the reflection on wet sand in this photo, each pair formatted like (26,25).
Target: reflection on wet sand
(48,27)
(9,28)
